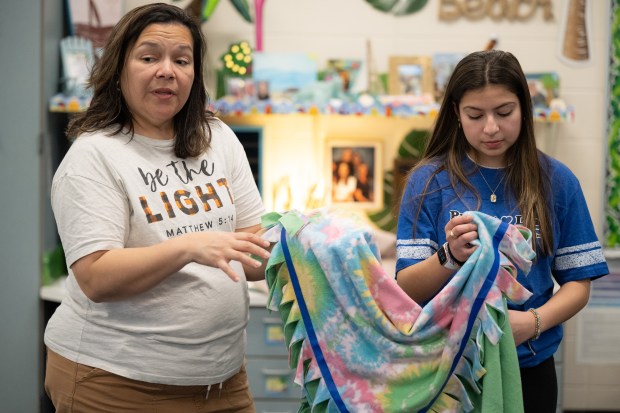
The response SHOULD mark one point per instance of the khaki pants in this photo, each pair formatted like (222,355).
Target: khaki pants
(77,388)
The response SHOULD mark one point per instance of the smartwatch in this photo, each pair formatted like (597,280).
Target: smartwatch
(445,258)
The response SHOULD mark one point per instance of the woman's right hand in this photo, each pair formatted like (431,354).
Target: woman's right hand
(460,232)
(217,249)
(117,274)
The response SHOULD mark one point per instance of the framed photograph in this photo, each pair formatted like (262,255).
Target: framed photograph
(354,174)
(77,56)
(410,75)
(443,65)
(346,70)
(262,90)
(543,88)
(240,88)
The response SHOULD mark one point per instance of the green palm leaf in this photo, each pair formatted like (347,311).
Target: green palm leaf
(243,8)
(208,6)
(398,7)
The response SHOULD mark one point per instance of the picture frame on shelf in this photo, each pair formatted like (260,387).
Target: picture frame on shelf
(346,70)
(544,88)
(240,88)
(262,90)
(443,65)
(353,175)
(410,75)
(77,56)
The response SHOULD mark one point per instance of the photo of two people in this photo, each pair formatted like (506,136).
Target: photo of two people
(354,174)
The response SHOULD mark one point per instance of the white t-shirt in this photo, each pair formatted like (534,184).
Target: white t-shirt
(116,192)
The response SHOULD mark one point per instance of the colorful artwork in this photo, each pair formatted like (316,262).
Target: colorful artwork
(346,70)
(544,88)
(443,65)
(284,72)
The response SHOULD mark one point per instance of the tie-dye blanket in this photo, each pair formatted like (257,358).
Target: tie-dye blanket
(360,344)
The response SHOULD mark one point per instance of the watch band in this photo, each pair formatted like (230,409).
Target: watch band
(445,258)
(457,262)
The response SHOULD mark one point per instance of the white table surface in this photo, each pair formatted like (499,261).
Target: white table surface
(258,290)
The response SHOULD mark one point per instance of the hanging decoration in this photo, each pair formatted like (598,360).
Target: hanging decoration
(511,10)
(575,33)
(242,7)
(398,7)
(258,12)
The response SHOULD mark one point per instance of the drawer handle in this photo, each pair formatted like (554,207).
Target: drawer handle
(271,320)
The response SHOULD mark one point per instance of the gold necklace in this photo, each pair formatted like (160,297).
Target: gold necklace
(493,197)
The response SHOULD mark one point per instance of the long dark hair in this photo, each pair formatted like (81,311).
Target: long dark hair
(527,174)
(108,107)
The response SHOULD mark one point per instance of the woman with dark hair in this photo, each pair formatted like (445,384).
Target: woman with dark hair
(157,212)
(482,156)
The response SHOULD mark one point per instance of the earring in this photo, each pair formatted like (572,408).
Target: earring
(118,85)
(459,122)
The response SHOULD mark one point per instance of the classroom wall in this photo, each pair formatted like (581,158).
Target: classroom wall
(328,29)
(340,29)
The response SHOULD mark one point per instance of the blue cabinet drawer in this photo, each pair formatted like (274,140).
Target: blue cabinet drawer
(265,334)
(272,378)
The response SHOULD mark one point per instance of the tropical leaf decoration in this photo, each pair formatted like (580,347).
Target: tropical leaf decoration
(413,144)
(242,7)
(411,147)
(386,217)
(208,7)
(398,7)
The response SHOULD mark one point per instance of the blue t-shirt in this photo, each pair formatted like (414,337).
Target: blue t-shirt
(577,253)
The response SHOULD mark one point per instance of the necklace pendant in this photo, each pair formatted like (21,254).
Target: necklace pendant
(493,198)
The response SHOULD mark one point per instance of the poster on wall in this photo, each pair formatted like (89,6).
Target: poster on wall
(284,73)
